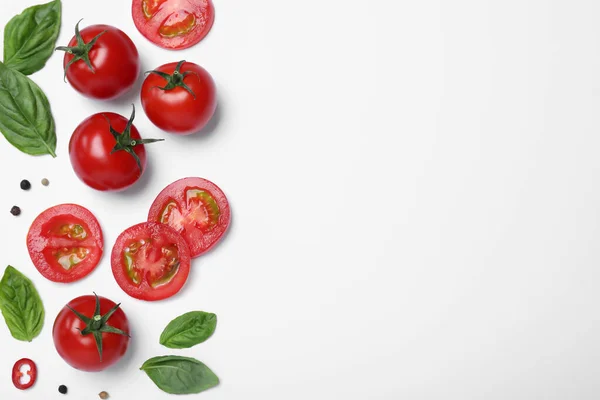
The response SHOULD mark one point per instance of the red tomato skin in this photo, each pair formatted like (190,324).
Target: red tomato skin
(176,110)
(144,291)
(36,242)
(175,191)
(90,152)
(115,60)
(79,351)
(149,27)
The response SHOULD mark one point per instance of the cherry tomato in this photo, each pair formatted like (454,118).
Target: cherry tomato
(101,62)
(179,97)
(197,209)
(150,261)
(17,374)
(107,152)
(173,24)
(91,333)
(65,243)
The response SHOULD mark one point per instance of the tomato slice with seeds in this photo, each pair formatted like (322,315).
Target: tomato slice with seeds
(197,209)
(150,261)
(23,381)
(65,243)
(173,24)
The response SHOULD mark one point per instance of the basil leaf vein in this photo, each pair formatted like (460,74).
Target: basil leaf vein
(21,305)
(30,37)
(180,375)
(25,117)
(188,330)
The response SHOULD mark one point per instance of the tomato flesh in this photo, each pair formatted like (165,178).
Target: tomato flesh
(150,261)
(173,24)
(195,208)
(150,7)
(157,263)
(17,375)
(202,212)
(65,243)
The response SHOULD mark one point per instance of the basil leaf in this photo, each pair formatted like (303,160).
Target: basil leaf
(189,330)
(25,117)
(21,305)
(180,375)
(30,37)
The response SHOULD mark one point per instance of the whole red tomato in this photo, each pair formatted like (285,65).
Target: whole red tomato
(179,97)
(107,152)
(91,333)
(101,62)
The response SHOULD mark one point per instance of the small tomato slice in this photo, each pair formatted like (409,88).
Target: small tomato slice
(65,243)
(150,261)
(197,209)
(173,24)
(17,375)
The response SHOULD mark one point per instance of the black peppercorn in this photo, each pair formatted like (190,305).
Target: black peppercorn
(15,211)
(62,389)
(25,184)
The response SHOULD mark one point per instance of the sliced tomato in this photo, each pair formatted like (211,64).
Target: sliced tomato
(173,24)
(65,243)
(197,209)
(150,261)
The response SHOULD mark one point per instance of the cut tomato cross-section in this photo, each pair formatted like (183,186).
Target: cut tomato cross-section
(173,24)
(65,243)
(197,209)
(150,261)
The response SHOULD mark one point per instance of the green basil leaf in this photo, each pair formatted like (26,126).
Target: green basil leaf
(25,117)
(30,37)
(180,375)
(189,330)
(21,305)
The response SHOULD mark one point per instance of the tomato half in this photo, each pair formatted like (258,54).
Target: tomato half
(179,97)
(173,24)
(65,243)
(107,152)
(101,62)
(91,333)
(197,209)
(17,375)
(150,261)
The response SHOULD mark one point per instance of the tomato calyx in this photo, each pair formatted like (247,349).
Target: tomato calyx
(124,140)
(81,51)
(98,324)
(176,79)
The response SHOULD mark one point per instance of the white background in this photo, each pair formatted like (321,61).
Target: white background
(415,188)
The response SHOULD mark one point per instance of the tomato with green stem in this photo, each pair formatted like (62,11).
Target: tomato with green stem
(150,261)
(197,209)
(65,243)
(173,24)
(101,62)
(107,152)
(91,333)
(179,98)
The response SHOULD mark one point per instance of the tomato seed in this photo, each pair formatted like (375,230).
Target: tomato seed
(45,182)
(25,184)
(15,211)
(103,395)
(62,389)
